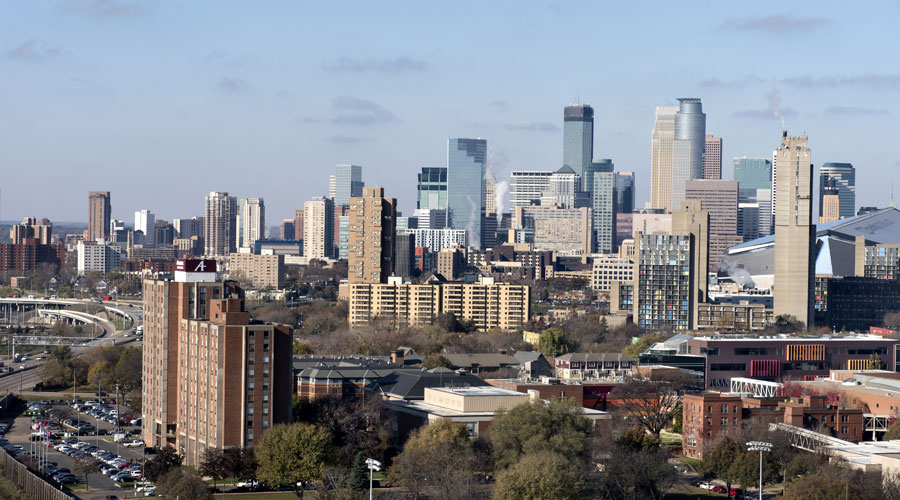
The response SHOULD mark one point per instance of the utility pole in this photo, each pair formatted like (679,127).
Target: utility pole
(760,446)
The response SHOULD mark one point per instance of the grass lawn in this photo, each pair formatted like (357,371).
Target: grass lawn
(693,462)
(270,495)
(692,493)
(670,438)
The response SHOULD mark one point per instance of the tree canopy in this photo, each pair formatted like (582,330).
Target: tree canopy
(288,454)
(538,476)
(558,427)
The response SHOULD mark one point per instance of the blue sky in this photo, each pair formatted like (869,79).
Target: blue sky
(161,102)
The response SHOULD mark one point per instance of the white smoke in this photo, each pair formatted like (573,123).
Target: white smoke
(474,215)
(775,106)
(737,274)
(500,190)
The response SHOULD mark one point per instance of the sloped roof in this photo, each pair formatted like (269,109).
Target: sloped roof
(595,356)
(565,169)
(482,360)
(411,385)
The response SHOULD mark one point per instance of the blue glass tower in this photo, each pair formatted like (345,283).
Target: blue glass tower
(432,188)
(843,175)
(348,183)
(578,141)
(688,147)
(465,175)
(752,174)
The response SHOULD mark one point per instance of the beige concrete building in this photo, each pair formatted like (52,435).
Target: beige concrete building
(662,141)
(99,212)
(488,304)
(608,269)
(650,223)
(794,231)
(451,262)
(831,207)
(220,224)
(691,220)
(720,199)
(371,234)
(235,380)
(566,231)
(712,158)
(262,271)
(744,317)
(318,227)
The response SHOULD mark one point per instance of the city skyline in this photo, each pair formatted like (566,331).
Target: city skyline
(211,100)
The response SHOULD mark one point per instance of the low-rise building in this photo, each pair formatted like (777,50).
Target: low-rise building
(98,257)
(262,271)
(744,316)
(611,269)
(588,365)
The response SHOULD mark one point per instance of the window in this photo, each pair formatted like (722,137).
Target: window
(723,421)
(844,429)
(845,418)
(725,408)
(749,351)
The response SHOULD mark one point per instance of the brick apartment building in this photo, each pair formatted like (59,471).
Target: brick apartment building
(708,416)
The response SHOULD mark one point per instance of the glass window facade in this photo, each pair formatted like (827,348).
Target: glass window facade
(348,183)
(432,188)
(465,185)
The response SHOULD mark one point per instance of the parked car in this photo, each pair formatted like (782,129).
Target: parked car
(134,443)
(719,489)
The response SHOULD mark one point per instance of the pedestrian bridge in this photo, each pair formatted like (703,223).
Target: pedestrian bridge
(808,440)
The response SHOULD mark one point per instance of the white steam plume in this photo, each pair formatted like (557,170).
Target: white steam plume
(775,106)
(500,189)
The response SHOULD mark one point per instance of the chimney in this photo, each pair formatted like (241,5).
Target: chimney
(397,357)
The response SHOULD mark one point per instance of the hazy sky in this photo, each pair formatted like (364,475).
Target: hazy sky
(161,102)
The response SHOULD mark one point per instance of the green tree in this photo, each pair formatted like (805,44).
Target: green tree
(719,463)
(527,428)
(538,476)
(303,349)
(553,342)
(164,461)
(603,328)
(213,464)
(291,454)
(359,473)
(876,363)
(893,431)
(178,483)
(636,439)
(643,343)
(434,360)
(439,459)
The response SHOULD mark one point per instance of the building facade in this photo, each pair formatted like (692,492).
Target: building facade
(720,199)
(318,228)
(609,269)
(262,271)
(603,210)
(578,139)
(712,158)
(465,173)
(252,219)
(372,229)
(435,240)
(566,231)
(99,215)
(220,224)
(98,257)
(661,155)
(526,187)
(145,221)
(664,281)
(348,183)
(841,176)
(687,147)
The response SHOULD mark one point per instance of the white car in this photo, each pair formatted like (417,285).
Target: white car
(247,484)
(134,444)
(706,486)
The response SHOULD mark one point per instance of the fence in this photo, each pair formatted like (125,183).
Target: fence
(28,481)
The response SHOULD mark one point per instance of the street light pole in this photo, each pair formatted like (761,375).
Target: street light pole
(760,446)
(373,466)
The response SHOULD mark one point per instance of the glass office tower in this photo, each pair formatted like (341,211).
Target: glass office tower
(465,171)
(844,176)
(348,183)
(578,140)
(688,147)
(432,188)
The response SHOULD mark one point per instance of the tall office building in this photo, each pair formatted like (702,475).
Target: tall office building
(99,213)
(164,233)
(688,146)
(188,228)
(844,180)
(286,231)
(526,187)
(752,174)
(252,224)
(600,165)
(371,236)
(794,231)
(624,192)
(145,221)
(489,203)
(432,188)
(712,158)
(661,150)
(318,228)
(603,211)
(465,171)
(348,183)
(220,224)
(404,252)
(562,188)
(690,220)
(830,201)
(332,187)
(578,139)
(720,199)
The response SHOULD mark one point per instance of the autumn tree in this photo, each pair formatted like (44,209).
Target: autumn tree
(540,475)
(554,342)
(292,454)
(558,426)
(652,404)
(164,461)
(178,483)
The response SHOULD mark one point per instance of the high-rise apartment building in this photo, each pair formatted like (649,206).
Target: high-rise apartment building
(690,219)
(465,171)
(661,155)
(624,192)
(145,222)
(688,147)
(348,183)
(526,187)
(188,228)
(299,215)
(435,240)
(841,176)
(30,228)
(794,231)
(404,250)
(720,199)
(318,228)
(220,224)
(97,257)
(664,295)
(99,214)
(578,140)
(603,211)
(252,221)
(712,158)
(432,188)
(372,229)
(286,230)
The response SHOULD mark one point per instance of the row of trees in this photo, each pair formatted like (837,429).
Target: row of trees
(102,366)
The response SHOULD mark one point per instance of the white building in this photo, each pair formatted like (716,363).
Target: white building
(608,269)
(430,218)
(98,256)
(318,228)
(527,187)
(251,222)
(145,221)
(562,188)
(436,240)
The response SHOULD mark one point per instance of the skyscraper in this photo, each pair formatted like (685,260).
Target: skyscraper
(688,146)
(690,220)
(830,201)
(220,224)
(348,183)
(624,192)
(526,187)
(99,212)
(720,199)
(145,221)
(603,213)
(578,139)
(661,144)
(371,237)
(562,188)
(844,176)
(752,174)
(287,229)
(712,158)
(600,165)
(465,171)
(252,222)
(318,228)
(489,203)
(794,231)
(432,188)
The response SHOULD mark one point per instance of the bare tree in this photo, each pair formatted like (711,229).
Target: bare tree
(651,404)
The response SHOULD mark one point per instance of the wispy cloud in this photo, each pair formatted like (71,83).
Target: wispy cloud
(532,127)
(105,8)
(395,65)
(763,114)
(868,80)
(777,24)
(360,112)
(234,85)
(498,104)
(33,50)
(856,111)
(716,83)
(345,139)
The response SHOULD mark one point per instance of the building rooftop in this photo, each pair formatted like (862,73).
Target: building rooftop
(485,391)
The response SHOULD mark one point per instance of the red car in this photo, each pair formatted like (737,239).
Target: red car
(736,491)
(719,489)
